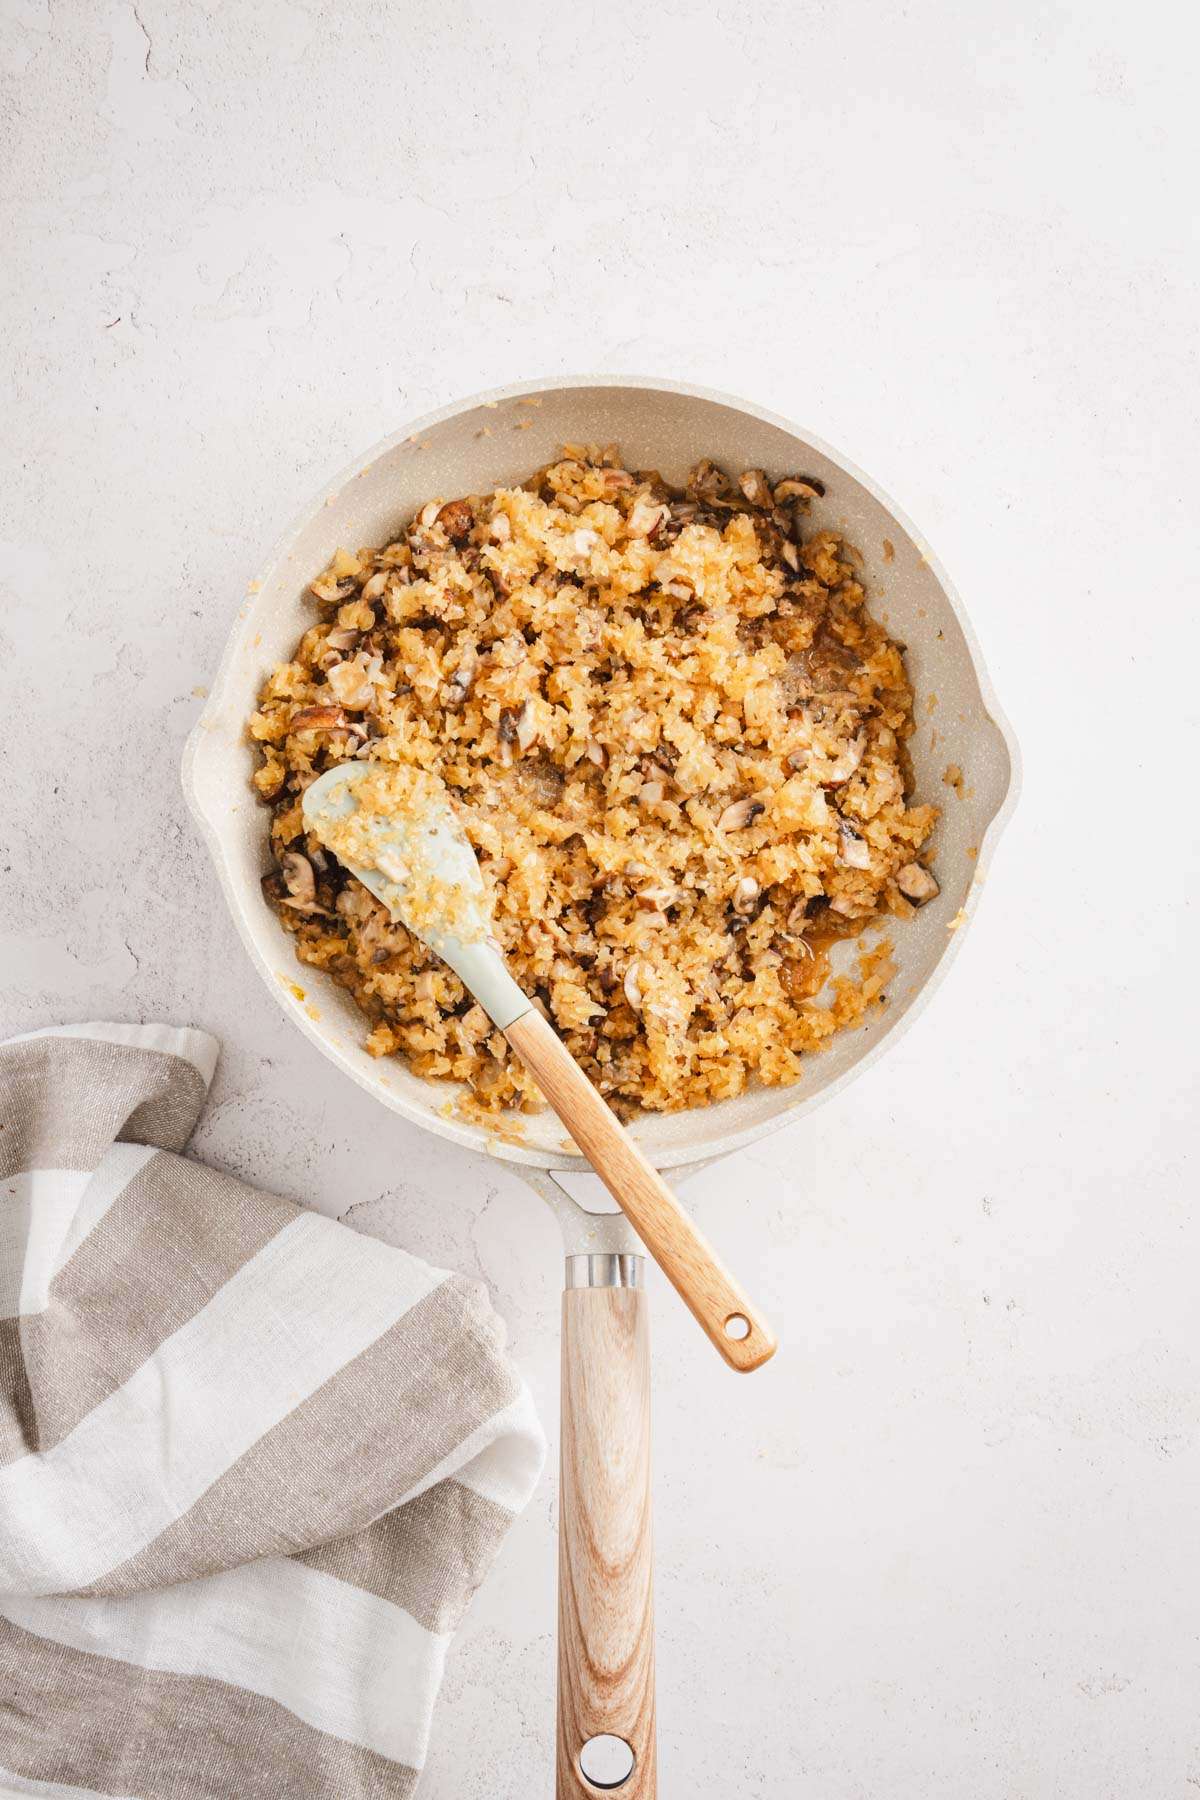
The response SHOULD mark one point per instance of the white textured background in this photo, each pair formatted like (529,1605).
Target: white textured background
(945,1548)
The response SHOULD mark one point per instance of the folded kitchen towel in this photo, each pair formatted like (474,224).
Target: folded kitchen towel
(252,1464)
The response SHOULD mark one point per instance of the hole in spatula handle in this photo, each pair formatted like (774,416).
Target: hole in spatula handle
(606,1762)
(737,1325)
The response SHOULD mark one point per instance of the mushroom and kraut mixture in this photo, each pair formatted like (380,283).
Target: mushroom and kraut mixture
(675,737)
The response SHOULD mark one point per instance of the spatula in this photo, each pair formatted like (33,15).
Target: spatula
(395,828)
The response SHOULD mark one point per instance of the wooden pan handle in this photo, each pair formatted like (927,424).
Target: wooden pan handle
(605,1568)
(680,1250)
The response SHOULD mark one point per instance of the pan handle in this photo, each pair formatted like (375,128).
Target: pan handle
(606,1730)
(718,1301)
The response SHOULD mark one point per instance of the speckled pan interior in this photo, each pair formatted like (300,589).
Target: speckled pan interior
(499,438)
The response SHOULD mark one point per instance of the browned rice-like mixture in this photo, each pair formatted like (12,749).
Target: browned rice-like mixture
(676,738)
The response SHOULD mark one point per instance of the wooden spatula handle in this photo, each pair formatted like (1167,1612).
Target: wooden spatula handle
(605,1587)
(680,1250)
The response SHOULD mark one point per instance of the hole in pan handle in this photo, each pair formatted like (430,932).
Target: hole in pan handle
(606,1762)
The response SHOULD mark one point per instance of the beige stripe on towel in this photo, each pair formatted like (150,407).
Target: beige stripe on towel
(423,1557)
(67,1099)
(307,1481)
(18,1418)
(16,1787)
(170,1737)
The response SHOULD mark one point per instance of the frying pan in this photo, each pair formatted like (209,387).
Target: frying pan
(606,1737)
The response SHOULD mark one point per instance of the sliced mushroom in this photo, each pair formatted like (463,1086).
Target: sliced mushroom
(797,919)
(298,876)
(917,884)
(373,589)
(756,487)
(853,850)
(297,873)
(318,718)
(596,753)
(632,986)
(709,484)
(791,555)
(423,986)
(799,487)
(341,639)
(328,590)
(745,896)
(428,514)
(354,902)
(740,814)
(656,899)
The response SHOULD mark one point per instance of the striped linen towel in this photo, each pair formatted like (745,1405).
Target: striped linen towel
(252,1464)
